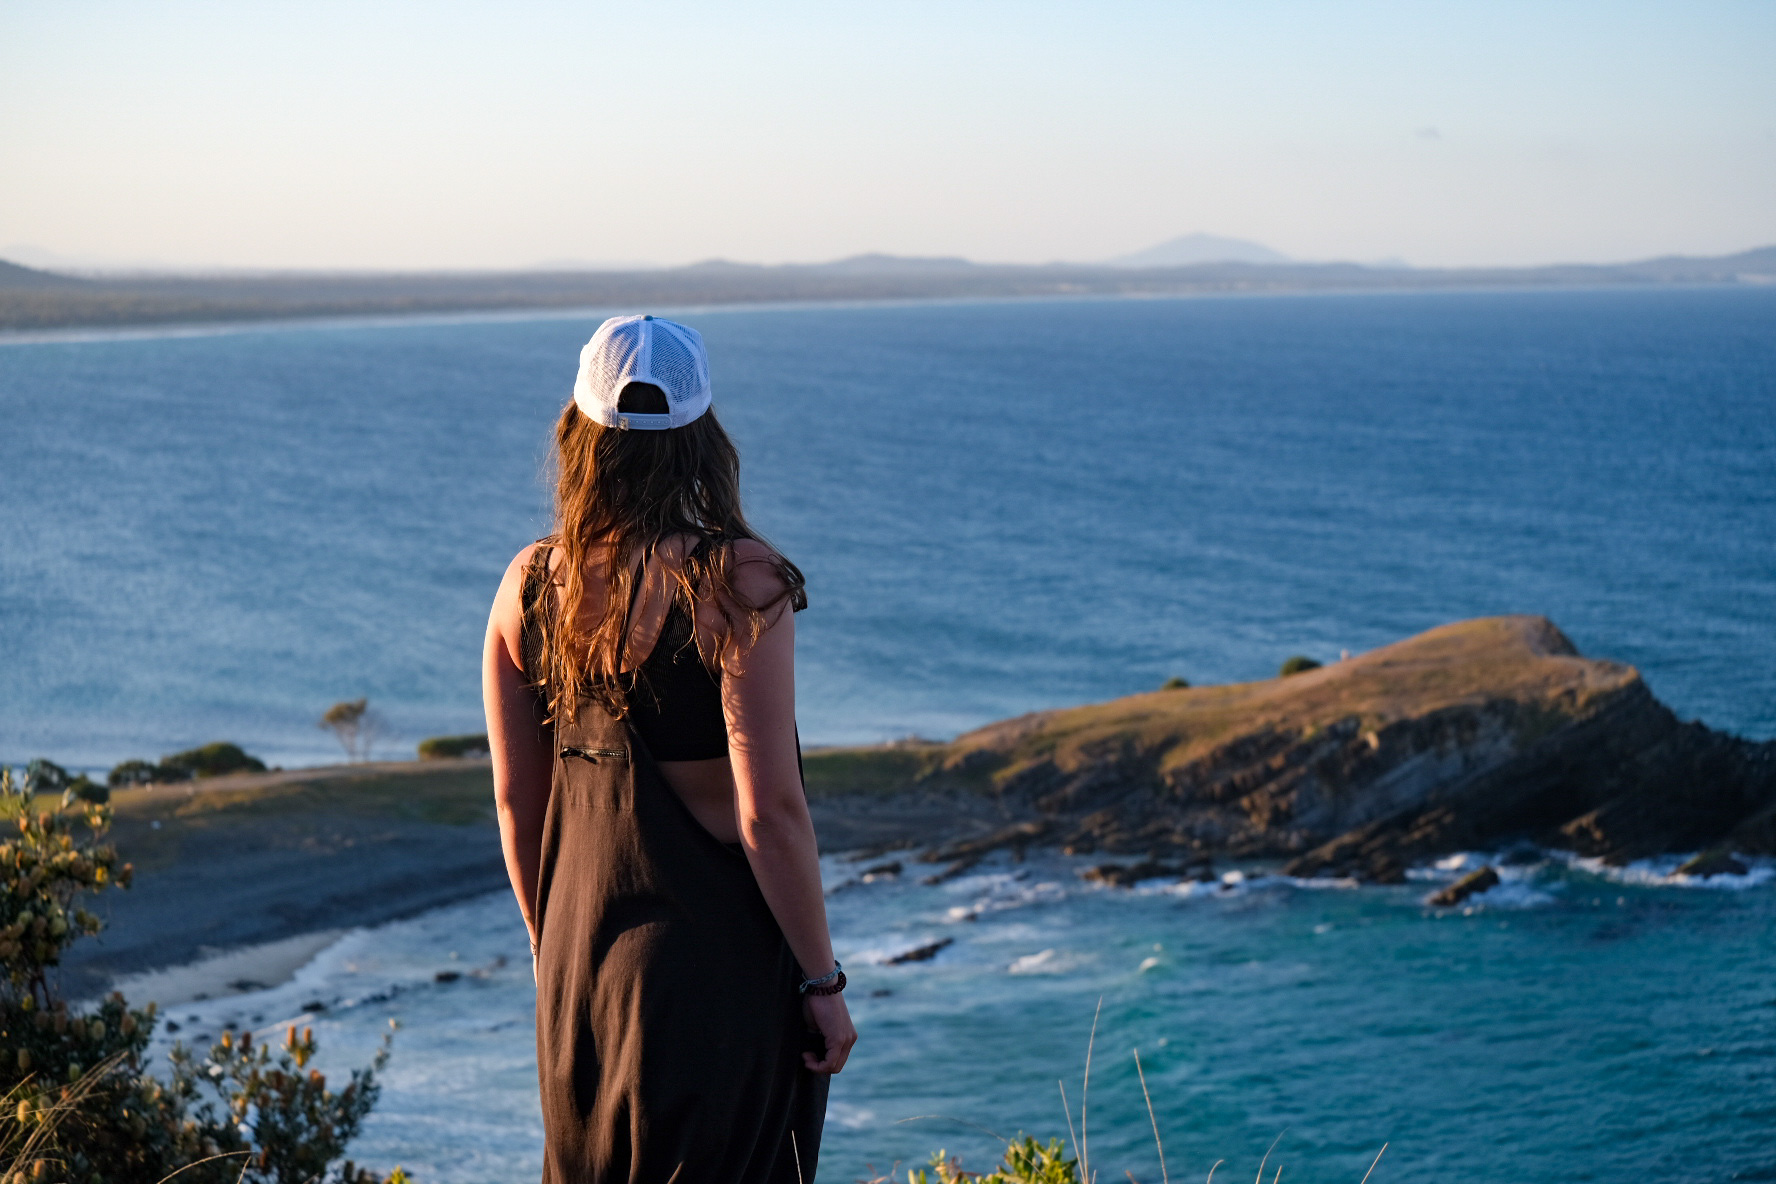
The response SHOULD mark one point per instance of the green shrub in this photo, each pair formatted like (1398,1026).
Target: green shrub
(132,772)
(1297,665)
(212,760)
(1026,1162)
(88,790)
(1175,683)
(437,748)
(80,1104)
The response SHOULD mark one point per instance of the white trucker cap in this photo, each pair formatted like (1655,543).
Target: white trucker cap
(643,349)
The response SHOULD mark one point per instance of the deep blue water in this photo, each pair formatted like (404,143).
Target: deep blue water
(1000,506)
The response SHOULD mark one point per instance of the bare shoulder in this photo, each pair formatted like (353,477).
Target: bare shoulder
(760,574)
(512,583)
(507,616)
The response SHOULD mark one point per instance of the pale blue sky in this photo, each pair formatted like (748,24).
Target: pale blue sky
(381,134)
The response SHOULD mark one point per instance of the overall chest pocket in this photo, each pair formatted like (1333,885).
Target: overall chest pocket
(597,778)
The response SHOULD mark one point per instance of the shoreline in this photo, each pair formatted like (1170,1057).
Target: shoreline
(219,974)
(239,877)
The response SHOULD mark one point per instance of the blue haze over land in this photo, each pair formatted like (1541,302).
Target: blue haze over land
(1000,506)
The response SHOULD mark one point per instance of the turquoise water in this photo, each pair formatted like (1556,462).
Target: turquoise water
(1570,1025)
(1000,506)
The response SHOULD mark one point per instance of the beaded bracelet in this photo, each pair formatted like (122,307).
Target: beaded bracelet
(830,983)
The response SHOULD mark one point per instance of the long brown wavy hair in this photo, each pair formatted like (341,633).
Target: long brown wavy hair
(618,495)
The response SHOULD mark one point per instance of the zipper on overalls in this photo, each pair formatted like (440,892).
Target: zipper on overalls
(592,754)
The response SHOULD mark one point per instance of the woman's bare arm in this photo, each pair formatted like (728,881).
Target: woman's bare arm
(758,698)
(523,752)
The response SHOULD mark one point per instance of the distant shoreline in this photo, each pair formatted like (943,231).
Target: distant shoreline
(155,331)
(34,302)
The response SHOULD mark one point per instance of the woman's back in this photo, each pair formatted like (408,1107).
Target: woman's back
(672,695)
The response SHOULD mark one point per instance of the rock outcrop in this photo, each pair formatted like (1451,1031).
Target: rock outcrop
(1480,880)
(1470,735)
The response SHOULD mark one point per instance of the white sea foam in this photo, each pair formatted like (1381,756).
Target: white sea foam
(1512,894)
(1049,961)
(1661,872)
(850,1117)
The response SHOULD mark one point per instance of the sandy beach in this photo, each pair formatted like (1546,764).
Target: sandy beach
(240,880)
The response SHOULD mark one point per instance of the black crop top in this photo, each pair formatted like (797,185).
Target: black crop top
(675,700)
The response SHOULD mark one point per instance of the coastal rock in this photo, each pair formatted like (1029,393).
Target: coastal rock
(1712,863)
(1473,883)
(1127,875)
(1474,735)
(922,953)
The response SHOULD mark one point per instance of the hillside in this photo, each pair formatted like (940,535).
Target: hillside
(1471,735)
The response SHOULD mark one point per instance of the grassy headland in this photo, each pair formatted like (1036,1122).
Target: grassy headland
(1479,732)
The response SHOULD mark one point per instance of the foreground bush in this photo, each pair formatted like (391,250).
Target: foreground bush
(1298,664)
(79,1102)
(1026,1162)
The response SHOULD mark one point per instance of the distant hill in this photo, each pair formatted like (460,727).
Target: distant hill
(32,299)
(1189,249)
(14,276)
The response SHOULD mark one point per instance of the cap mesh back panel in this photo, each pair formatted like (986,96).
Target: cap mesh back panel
(617,360)
(673,366)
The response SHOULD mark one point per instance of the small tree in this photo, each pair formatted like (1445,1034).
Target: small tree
(356,727)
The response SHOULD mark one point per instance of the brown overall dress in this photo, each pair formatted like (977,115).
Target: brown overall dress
(669,1030)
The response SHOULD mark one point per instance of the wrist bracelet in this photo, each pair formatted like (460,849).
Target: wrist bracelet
(830,983)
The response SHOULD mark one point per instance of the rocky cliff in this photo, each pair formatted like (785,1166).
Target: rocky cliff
(1471,735)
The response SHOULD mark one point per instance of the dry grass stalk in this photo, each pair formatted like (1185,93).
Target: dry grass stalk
(1378,1156)
(1266,1159)
(1163,1174)
(1085,1172)
(1071,1133)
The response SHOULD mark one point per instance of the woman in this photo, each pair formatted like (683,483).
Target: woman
(639,677)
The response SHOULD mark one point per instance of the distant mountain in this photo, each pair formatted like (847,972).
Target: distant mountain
(1190,249)
(14,276)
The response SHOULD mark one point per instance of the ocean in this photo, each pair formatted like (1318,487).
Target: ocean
(1000,507)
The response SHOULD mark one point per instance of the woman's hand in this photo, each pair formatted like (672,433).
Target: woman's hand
(828,1015)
